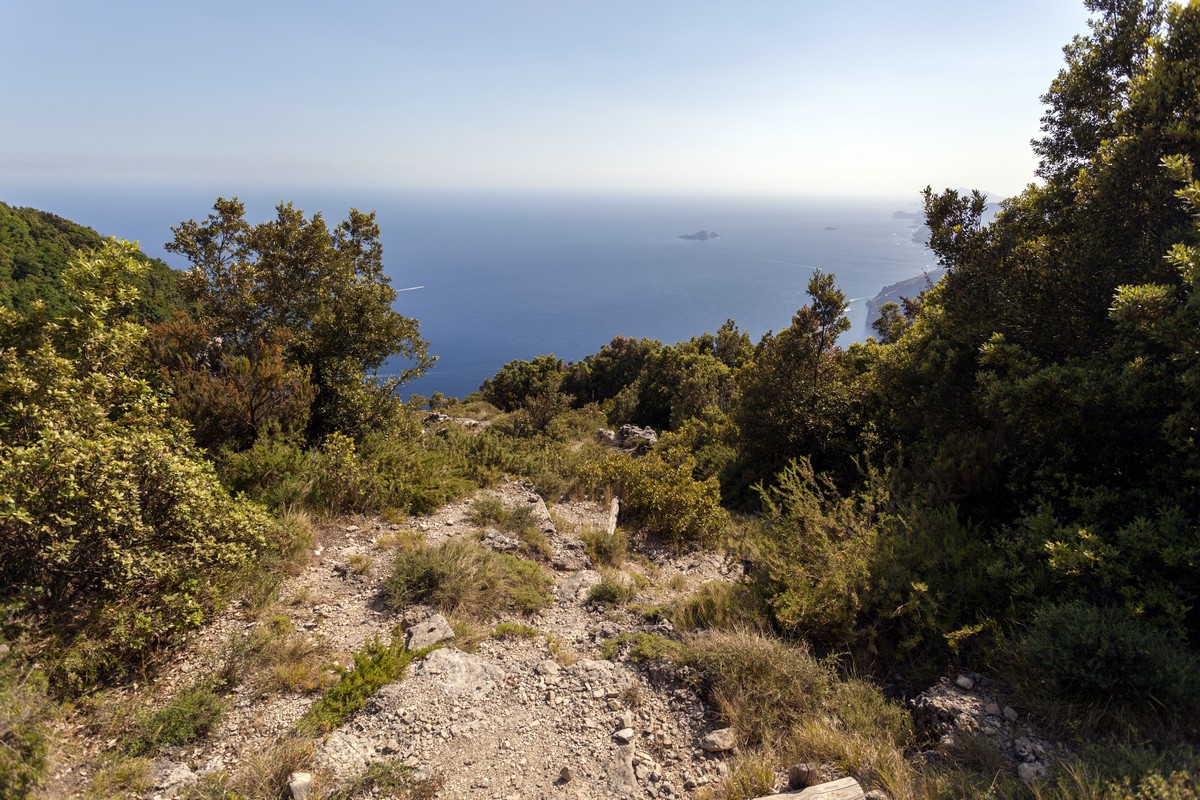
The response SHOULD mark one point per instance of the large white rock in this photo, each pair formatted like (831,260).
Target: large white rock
(459,673)
(429,632)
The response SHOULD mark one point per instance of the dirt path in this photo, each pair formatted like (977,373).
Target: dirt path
(541,715)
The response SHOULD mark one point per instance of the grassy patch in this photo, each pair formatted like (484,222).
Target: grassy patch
(509,630)
(390,778)
(24,709)
(606,549)
(721,605)
(375,666)
(611,592)
(277,658)
(189,715)
(123,777)
(463,577)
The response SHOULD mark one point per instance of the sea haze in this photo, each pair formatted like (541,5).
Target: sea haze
(515,276)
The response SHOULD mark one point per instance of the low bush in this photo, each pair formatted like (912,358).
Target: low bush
(604,548)
(188,716)
(1076,661)
(461,576)
(661,497)
(611,592)
(375,666)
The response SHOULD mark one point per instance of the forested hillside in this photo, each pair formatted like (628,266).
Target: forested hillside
(999,490)
(35,249)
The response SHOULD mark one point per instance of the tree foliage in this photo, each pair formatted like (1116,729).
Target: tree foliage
(319,292)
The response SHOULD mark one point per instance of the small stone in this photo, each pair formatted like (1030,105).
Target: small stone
(624,736)
(993,709)
(964,682)
(1010,714)
(625,720)
(876,794)
(719,741)
(566,775)
(300,785)
(1031,771)
(801,776)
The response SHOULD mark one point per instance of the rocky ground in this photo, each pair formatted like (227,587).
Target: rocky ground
(545,716)
(541,715)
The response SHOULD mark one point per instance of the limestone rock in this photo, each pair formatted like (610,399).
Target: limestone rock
(431,631)
(576,587)
(614,509)
(964,683)
(622,782)
(300,785)
(460,673)
(635,439)
(172,778)
(719,741)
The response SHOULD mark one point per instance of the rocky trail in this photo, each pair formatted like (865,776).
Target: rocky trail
(544,706)
(542,714)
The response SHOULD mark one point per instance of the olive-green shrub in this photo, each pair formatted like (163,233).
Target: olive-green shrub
(115,534)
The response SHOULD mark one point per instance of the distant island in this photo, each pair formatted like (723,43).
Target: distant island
(701,236)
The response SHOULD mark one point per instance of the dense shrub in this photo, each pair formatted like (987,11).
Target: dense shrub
(1075,656)
(188,716)
(662,497)
(375,666)
(112,525)
(519,382)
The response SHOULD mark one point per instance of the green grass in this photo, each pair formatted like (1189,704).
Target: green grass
(606,549)
(188,716)
(464,578)
(509,630)
(609,592)
(375,666)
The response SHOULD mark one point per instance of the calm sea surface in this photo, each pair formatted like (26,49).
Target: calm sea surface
(514,276)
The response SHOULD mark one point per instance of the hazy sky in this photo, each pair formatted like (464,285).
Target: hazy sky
(809,98)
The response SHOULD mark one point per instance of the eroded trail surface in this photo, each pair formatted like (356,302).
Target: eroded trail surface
(541,712)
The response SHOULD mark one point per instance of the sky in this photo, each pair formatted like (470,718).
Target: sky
(857,98)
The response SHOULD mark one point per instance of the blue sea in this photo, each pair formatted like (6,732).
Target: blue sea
(495,277)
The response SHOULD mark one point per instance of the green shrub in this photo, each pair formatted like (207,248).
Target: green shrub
(519,383)
(114,530)
(23,714)
(1075,656)
(190,715)
(608,549)
(273,470)
(662,497)
(375,666)
(461,576)
(509,630)
(609,592)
